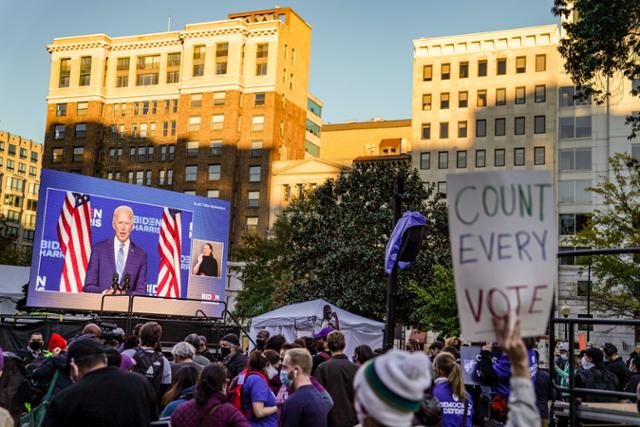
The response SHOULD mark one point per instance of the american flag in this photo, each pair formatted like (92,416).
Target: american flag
(169,247)
(74,236)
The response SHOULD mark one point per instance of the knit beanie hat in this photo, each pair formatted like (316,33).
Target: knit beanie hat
(231,339)
(56,340)
(390,388)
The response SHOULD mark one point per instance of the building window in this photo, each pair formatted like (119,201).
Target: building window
(578,127)
(541,93)
(463,99)
(442,189)
(519,128)
(61,109)
(65,72)
(501,66)
(194,123)
(142,153)
(196,100)
(256,149)
(498,159)
(541,62)
(444,130)
(566,96)
(518,156)
(215,147)
(214,172)
(445,71)
(635,151)
(481,128)
(443,160)
(122,81)
(217,122)
(12,149)
(147,79)
(254,173)
(427,73)
(252,225)
(481,158)
(482,68)
(262,50)
(219,98)
(572,223)
(213,194)
(58,131)
(80,130)
(461,159)
(575,159)
(538,156)
(173,128)
(501,96)
(78,152)
(261,69)
(139,178)
(122,64)
(482,98)
(521,96)
(173,59)
(539,125)
(426,102)
(583,127)
(85,71)
(462,129)
(444,101)
(574,191)
(81,108)
(521,64)
(22,168)
(190,173)
(425,161)
(192,148)
(34,156)
(257,123)
(259,99)
(222,53)
(426,131)
(464,70)
(500,125)
(567,127)
(11,164)
(253,199)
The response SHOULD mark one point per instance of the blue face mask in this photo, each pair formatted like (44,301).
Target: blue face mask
(285,380)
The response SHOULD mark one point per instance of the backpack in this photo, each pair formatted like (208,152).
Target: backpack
(601,379)
(234,391)
(151,366)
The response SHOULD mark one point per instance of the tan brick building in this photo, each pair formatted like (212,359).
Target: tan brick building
(20,163)
(205,110)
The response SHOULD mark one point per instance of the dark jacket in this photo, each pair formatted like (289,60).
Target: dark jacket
(105,397)
(597,378)
(190,414)
(235,363)
(186,395)
(336,376)
(44,374)
(632,384)
(620,370)
(544,393)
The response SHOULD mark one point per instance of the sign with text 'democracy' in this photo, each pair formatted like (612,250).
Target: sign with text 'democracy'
(503,242)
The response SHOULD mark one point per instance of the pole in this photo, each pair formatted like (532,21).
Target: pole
(589,300)
(392,284)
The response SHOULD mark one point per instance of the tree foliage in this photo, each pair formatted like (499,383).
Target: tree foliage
(617,286)
(330,243)
(8,253)
(603,41)
(436,307)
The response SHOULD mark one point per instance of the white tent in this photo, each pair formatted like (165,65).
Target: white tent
(303,319)
(12,279)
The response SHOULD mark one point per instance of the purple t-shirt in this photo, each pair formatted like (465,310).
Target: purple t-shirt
(255,389)
(304,408)
(452,407)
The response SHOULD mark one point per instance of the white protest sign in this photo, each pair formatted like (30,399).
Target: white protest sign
(503,242)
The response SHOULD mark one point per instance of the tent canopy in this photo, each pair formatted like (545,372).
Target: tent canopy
(303,319)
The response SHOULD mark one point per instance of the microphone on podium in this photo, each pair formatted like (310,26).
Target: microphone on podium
(114,281)
(127,282)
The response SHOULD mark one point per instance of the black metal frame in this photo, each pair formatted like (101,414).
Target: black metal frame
(571,323)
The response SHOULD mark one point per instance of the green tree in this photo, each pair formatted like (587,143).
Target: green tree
(436,307)
(616,287)
(8,253)
(603,41)
(334,238)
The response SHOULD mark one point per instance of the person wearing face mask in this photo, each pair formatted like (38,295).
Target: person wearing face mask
(261,340)
(273,363)
(232,356)
(305,406)
(102,395)
(593,374)
(33,352)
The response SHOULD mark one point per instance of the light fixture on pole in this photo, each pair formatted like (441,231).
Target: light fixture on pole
(565,310)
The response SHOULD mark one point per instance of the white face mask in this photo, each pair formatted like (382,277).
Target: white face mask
(585,363)
(271,371)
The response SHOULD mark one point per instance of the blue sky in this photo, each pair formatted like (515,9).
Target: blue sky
(361,52)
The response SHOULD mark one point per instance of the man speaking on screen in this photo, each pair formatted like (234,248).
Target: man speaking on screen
(118,261)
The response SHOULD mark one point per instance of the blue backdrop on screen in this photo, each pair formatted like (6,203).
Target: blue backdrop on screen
(203,221)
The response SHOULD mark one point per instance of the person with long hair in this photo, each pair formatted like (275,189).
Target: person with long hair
(182,389)
(207,264)
(361,354)
(257,398)
(209,407)
(456,403)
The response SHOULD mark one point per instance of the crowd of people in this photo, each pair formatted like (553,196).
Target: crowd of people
(107,379)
